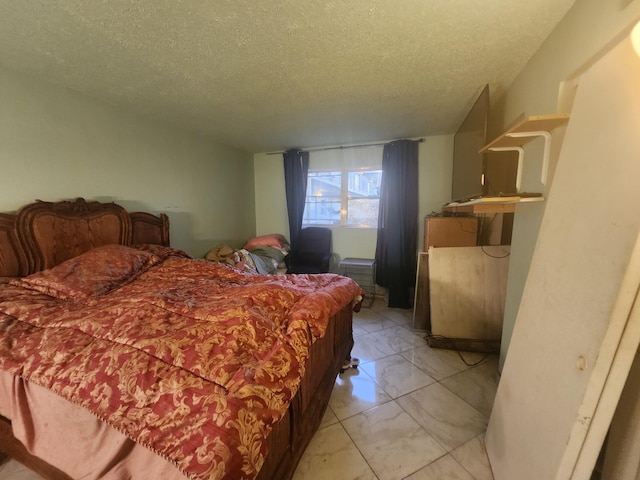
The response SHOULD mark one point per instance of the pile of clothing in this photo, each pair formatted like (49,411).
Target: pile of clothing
(264,254)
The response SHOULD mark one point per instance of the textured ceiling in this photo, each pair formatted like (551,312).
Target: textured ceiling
(266,75)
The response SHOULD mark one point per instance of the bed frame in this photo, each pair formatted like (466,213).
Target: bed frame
(43,234)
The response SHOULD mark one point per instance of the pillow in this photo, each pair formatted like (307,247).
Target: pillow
(92,273)
(271,240)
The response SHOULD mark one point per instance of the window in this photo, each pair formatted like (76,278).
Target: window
(347,198)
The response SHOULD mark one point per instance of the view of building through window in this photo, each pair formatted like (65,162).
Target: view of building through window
(343,198)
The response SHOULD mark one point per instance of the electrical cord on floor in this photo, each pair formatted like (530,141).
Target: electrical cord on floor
(454,347)
(494,256)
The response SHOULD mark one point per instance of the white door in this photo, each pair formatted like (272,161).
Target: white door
(586,239)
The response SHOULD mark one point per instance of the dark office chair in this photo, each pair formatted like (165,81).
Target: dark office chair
(312,252)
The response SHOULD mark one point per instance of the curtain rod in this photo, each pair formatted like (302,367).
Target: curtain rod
(340,147)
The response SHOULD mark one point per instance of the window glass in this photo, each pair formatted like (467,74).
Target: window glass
(343,198)
(322,206)
(363,198)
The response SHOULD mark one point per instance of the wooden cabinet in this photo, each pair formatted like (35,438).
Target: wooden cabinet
(450,232)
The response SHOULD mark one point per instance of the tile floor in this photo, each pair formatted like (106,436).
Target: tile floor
(408,412)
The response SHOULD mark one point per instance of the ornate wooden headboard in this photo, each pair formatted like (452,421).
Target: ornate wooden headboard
(43,234)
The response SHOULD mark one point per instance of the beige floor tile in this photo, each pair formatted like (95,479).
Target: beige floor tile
(13,470)
(397,339)
(437,362)
(367,348)
(357,330)
(329,418)
(444,415)
(473,457)
(393,443)
(477,386)
(400,316)
(396,375)
(355,392)
(414,337)
(331,455)
(445,468)
(371,321)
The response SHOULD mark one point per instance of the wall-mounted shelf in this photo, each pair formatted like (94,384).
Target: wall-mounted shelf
(522,131)
(526,125)
(491,204)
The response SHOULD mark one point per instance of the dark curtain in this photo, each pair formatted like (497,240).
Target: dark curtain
(398,222)
(296,167)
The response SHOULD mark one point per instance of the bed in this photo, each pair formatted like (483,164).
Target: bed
(157,365)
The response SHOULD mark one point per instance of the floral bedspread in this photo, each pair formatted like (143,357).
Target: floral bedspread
(196,360)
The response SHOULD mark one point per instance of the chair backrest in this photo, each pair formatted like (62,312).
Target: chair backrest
(312,251)
(314,239)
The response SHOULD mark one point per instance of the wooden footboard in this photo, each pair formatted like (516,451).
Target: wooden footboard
(293,433)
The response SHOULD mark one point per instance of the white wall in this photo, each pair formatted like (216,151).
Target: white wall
(56,144)
(584,31)
(435,169)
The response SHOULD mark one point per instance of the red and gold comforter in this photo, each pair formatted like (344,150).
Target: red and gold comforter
(193,359)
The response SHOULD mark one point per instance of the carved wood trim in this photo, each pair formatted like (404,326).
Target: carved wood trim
(149,228)
(13,260)
(55,232)
(43,234)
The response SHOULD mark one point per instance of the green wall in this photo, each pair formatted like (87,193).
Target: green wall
(56,144)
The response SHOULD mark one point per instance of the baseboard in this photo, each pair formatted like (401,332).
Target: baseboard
(464,344)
